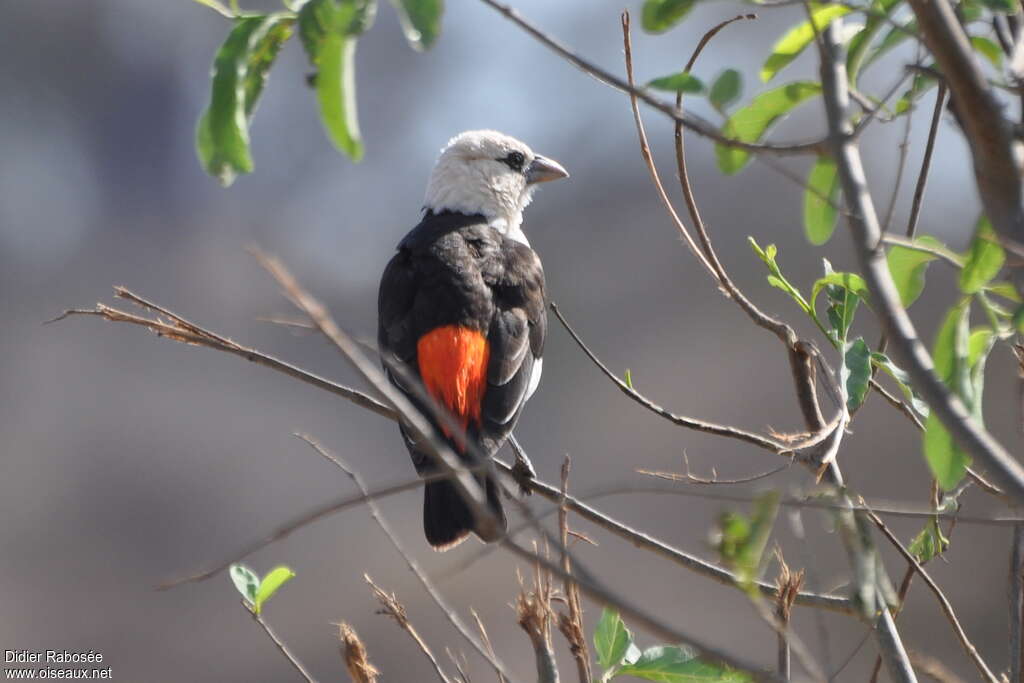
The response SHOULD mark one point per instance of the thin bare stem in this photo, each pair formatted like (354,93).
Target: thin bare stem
(1017,605)
(395,610)
(486,641)
(292,659)
(926,162)
(571,624)
(695,123)
(947,608)
(483,649)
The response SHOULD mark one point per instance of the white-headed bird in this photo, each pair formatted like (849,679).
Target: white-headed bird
(462,310)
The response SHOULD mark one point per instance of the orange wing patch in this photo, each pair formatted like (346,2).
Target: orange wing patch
(453,365)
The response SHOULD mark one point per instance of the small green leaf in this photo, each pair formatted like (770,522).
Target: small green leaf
(421,21)
(794,41)
(849,281)
(902,379)
(907,267)
(629,378)
(983,260)
(271,582)
(845,292)
(611,639)
(679,82)
(979,343)
(989,50)
(673,664)
(1018,319)
(892,38)
(1001,6)
(856,372)
(329,29)
(750,123)
(239,74)
(819,212)
(857,50)
(726,89)
(1005,290)
(661,15)
(918,87)
(948,462)
(246,581)
(929,543)
(741,541)
(775,277)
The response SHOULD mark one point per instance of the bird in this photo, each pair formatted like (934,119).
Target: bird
(462,316)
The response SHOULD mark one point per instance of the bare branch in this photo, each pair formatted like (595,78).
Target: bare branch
(394,609)
(996,152)
(1017,605)
(926,162)
(691,121)
(571,624)
(534,615)
(484,649)
(947,608)
(292,659)
(486,640)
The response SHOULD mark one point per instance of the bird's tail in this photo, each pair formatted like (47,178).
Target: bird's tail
(447,520)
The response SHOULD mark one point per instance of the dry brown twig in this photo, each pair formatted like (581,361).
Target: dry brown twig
(353,652)
(571,624)
(394,609)
(535,615)
(486,640)
(279,644)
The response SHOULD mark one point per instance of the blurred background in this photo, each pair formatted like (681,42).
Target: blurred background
(126,460)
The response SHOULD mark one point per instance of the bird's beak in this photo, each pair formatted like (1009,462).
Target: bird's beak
(542,169)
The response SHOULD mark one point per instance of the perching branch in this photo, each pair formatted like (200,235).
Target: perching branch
(292,659)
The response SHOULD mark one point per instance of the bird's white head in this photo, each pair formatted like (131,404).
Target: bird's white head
(486,172)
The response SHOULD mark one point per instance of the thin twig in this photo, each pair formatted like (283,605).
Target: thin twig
(691,478)
(534,615)
(926,162)
(766,443)
(483,649)
(395,610)
(292,659)
(1016,596)
(947,608)
(486,641)
(695,123)
(571,624)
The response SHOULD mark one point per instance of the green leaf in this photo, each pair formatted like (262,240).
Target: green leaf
(918,87)
(892,38)
(1018,319)
(948,462)
(1002,6)
(1005,290)
(246,581)
(611,639)
(857,50)
(742,541)
(794,41)
(902,379)
(329,29)
(983,260)
(849,281)
(629,378)
(421,21)
(856,372)
(989,50)
(678,82)
(907,267)
(750,123)
(845,292)
(661,15)
(681,82)
(673,664)
(819,214)
(929,543)
(775,277)
(979,343)
(271,582)
(726,89)
(239,73)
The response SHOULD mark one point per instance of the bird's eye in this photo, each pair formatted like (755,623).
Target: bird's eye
(515,160)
